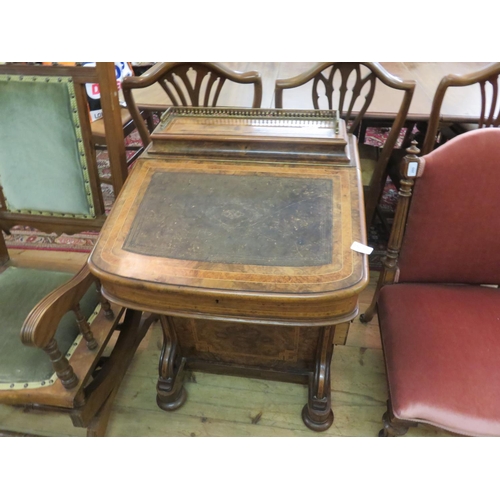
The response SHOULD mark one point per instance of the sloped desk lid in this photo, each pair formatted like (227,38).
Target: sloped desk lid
(262,228)
(235,234)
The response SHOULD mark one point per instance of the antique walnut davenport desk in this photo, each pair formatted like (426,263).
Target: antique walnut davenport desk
(235,227)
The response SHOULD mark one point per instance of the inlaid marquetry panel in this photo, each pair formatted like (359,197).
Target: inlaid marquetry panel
(269,346)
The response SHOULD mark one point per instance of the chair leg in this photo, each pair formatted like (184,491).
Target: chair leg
(94,413)
(367,316)
(4,254)
(149,121)
(394,427)
(383,220)
(99,424)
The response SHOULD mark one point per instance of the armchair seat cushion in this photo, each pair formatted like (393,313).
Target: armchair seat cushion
(20,290)
(442,352)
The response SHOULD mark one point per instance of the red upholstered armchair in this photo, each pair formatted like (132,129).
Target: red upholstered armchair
(437,299)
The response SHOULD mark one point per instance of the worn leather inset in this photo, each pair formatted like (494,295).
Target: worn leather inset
(235,219)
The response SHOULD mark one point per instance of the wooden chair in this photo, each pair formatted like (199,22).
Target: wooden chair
(487,82)
(55,327)
(350,88)
(117,117)
(98,127)
(99,135)
(187,84)
(437,297)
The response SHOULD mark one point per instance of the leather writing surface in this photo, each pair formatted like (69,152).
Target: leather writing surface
(235,219)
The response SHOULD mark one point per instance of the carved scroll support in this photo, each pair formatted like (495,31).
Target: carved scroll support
(61,365)
(317,413)
(170,389)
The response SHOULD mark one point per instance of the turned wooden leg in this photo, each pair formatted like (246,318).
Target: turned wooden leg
(170,390)
(84,328)
(106,306)
(317,413)
(394,427)
(61,365)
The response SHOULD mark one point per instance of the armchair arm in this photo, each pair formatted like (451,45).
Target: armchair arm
(42,322)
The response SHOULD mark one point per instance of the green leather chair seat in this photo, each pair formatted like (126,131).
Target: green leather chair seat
(20,290)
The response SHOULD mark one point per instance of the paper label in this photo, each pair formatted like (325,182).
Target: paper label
(359,247)
(412,168)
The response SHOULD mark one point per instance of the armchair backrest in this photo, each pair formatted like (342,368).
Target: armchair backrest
(486,81)
(188,84)
(452,231)
(48,171)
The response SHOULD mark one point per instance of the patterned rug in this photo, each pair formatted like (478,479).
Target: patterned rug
(26,238)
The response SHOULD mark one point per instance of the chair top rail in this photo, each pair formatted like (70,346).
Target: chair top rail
(454,80)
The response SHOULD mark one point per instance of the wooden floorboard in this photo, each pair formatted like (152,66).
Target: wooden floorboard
(220,405)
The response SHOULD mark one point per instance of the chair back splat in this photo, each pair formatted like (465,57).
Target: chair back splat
(188,84)
(351,88)
(437,298)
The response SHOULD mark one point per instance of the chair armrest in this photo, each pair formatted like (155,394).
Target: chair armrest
(42,322)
